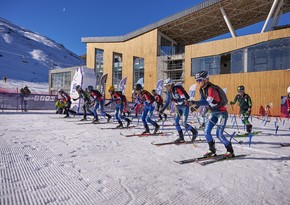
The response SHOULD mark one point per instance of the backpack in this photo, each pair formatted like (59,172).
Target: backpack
(223,97)
(123,98)
(182,89)
(221,93)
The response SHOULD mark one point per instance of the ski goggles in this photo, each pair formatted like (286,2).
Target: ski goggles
(199,80)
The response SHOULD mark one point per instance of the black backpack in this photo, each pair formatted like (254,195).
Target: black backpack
(182,89)
(221,93)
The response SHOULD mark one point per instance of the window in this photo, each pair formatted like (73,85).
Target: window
(138,69)
(117,68)
(99,64)
(61,80)
(210,63)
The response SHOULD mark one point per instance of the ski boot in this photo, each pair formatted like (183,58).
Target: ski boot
(165,117)
(212,150)
(194,134)
(147,131)
(249,128)
(128,122)
(156,129)
(109,117)
(120,124)
(230,151)
(84,119)
(95,121)
(181,137)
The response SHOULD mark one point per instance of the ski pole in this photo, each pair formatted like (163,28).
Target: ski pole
(231,136)
(235,119)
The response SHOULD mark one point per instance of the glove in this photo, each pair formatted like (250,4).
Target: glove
(232,103)
(192,109)
(132,108)
(161,112)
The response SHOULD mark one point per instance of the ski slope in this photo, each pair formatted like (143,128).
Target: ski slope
(46,159)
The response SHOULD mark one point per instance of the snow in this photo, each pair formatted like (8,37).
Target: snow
(14,86)
(28,56)
(45,158)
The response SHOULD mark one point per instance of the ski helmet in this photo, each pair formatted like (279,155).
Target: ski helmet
(138,86)
(78,87)
(60,90)
(111,88)
(201,75)
(168,81)
(241,88)
(90,87)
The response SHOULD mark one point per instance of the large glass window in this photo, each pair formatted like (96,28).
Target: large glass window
(211,64)
(61,80)
(270,55)
(117,68)
(99,63)
(138,69)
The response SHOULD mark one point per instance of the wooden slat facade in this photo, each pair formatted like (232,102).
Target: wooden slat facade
(144,46)
(263,87)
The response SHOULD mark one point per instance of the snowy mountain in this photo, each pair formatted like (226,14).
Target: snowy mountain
(28,56)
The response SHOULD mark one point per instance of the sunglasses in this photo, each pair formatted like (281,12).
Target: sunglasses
(199,80)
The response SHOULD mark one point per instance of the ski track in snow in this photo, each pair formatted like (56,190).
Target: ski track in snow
(46,160)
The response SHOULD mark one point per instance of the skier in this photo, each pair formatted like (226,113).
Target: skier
(288,100)
(245,104)
(24,93)
(159,102)
(67,100)
(98,102)
(138,105)
(179,96)
(213,99)
(118,98)
(59,106)
(87,101)
(148,100)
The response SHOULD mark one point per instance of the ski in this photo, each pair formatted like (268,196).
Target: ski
(247,134)
(218,159)
(186,161)
(285,144)
(91,123)
(117,128)
(176,143)
(146,135)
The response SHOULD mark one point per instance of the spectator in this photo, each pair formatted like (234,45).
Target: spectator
(24,93)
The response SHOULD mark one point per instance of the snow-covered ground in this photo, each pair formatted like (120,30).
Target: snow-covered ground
(14,86)
(46,159)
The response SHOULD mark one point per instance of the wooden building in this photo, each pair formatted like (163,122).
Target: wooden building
(173,48)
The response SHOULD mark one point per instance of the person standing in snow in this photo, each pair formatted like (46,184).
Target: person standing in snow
(210,97)
(118,99)
(147,99)
(87,102)
(159,105)
(98,103)
(24,93)
(179,97)
(245,104)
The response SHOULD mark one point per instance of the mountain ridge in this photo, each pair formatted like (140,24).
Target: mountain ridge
(28,56)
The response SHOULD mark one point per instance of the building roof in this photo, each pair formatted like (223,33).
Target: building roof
(203,21)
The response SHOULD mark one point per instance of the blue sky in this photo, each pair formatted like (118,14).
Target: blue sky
(67,21)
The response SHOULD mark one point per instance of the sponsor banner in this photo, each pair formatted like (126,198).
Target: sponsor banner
(122,85)
(14,101)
